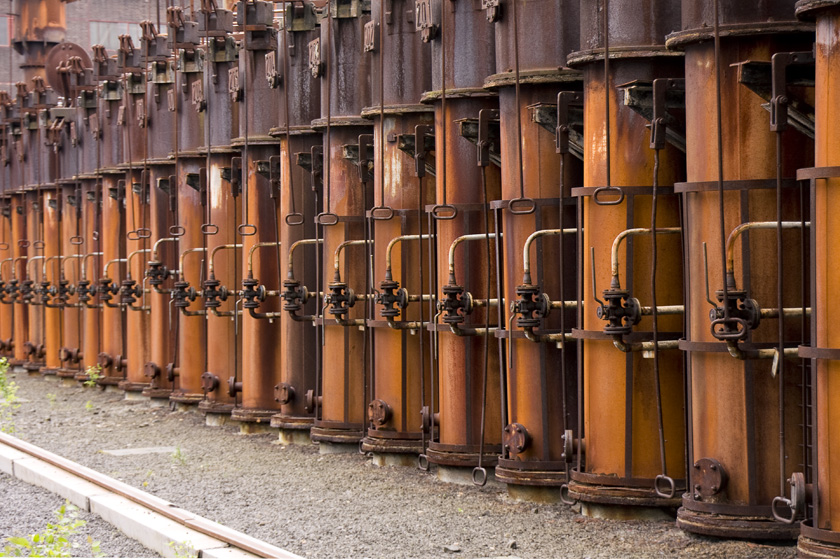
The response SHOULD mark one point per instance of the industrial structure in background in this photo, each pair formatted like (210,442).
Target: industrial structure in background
(583,247)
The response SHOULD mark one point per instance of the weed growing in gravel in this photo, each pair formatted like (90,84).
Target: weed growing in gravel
(8,398)
(182,550)
(89,405)
(51,399)
(55,541)
(178,456)
(94,373)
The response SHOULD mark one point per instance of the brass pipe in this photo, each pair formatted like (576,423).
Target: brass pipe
(339,248)
(392,244)
(130,256)
(227,247)
(109,263)
(31,260)
(733,236)
(251,254)
(623,235)
(631,347)
(83,272)
(458,241)
(156,246)
(180,269)
(290,274)
(526,249)
(558,338)
(1,266)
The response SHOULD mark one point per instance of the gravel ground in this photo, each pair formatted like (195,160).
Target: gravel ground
(26,510)
(331,505)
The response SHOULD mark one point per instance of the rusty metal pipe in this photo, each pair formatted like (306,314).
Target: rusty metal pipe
(339,248)
(251,254)
(458,241)
(108,264)
(559,338)
(627,233)
(770,353)
(216,249)
(132,255)
(526,249)
(392,244)
(291,269)
(632,347)
(184,254)
(795,312)
(733,236)
(84,263)
(156,246)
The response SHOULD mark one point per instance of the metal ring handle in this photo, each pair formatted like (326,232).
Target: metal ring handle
(780,517)
(23,243)
(444,212)
(672,486)
(738,335)
(522,206)
(326,218)
(77,240)
(38,244)
(423,463)
(132,236)
(608,190)
(382,213)
(564,495)
(95,237)
(294,219)
(247,230)
(177,231)
(4,246)
(211,229)
(144,233)
(481,478)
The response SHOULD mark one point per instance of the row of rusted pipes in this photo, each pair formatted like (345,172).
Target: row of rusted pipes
(477,235)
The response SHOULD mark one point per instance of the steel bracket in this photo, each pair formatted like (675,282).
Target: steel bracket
(779,99)
(485,141)
(235,176)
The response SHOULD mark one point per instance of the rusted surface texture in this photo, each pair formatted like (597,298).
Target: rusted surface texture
(626,27)
(138,332)
(620,419)
(113,247)
(303,90)
(53,331)
(347,70)
(298,339)
(34,271)
(93,241)
(72,248)
(730,398)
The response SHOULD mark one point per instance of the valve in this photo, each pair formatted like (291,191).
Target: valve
(83,290)
(107,290)
(64,291)
(341,299)
(744,315)
(13,290)
(171,372)
(310,401)
(392,297)
(45,292)
(531,307)
(252,293)
(284,393)
(27,293)
(70,355)
(428,420)
(456,305)
(213,294)
(294,295)
(516,438)
(151,370)
(104,360)
(621,311)
(234,387)
(157,273)
(29,349)
(209,382)
(183,294)
(3,291)
(129,292)
(379,412)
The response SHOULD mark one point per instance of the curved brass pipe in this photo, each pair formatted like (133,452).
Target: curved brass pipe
(83,272)
(337,259)
(212,266)
(739,230)
(526,249)
(458,241)
(290,273)
(392,244)
(180,270)
(615,284)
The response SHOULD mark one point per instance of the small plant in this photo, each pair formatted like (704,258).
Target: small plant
(149,475)
(51,399)
(55,541)
(9,401)
(89,405)
(94,373)
(178,456)
(182,550)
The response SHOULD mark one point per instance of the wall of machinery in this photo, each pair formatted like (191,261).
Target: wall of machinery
(580,247)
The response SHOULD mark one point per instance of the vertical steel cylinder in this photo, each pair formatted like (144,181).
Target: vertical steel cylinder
(223,206)
(90,271)
(72,247)
(541,377)
(38,25)
(340,404)
(735,418)
(466,42)
(258,110)
(20,249)
(623,457)
(50,274)
(819,533)
(34,341)
(401,73)
(299,203)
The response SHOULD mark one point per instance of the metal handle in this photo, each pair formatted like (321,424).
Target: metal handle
(609,190)
(382,213)
(739,334)
(326,218)
(177,231)
(38,245)
(444,212)
(564,495)
(211,229)
(23,243)
(479,476)
(4,246)
(294,219)
(423,462)
(76,240)
(247,230)
(522,206)
(657,486)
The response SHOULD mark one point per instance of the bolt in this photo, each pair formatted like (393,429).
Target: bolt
(714,489)
(697,487)
(713,467)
